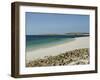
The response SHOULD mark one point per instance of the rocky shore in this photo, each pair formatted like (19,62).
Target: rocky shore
(75,57)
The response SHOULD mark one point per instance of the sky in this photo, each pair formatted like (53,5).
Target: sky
(51,23)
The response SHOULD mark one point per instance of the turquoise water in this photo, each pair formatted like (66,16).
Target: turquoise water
(34,42)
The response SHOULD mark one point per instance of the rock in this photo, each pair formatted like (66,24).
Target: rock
(75,57)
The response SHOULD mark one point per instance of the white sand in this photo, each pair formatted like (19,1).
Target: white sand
(82,42)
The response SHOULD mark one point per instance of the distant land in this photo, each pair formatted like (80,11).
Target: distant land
(70,33)
(78,33)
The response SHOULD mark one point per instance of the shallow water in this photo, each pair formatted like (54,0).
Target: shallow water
(41,41)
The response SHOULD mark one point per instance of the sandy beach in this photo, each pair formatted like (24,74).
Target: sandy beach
(81,42)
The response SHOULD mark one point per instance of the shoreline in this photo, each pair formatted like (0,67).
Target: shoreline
(80,42)
(48,45)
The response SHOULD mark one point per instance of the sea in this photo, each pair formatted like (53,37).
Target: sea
(34,42)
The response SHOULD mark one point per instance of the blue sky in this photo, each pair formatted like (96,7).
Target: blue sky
(46,23)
